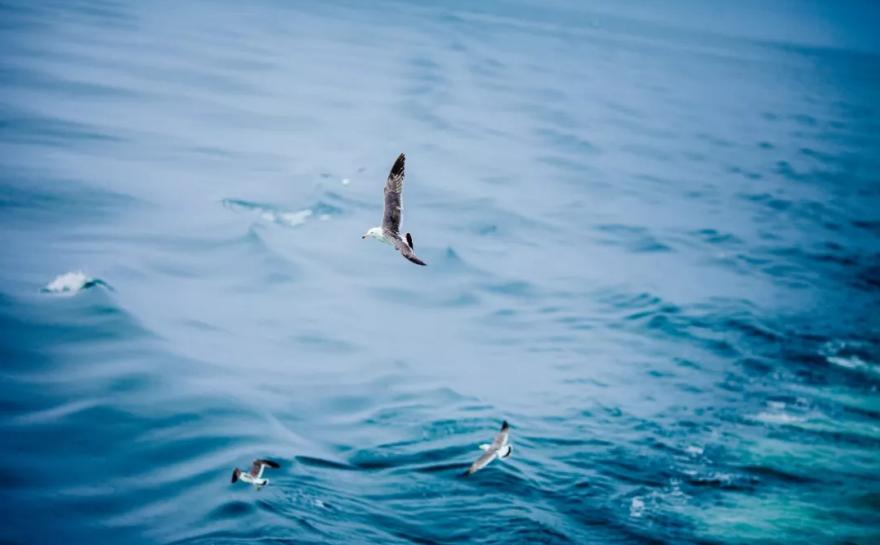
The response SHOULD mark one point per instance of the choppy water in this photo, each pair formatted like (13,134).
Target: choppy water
(652,246)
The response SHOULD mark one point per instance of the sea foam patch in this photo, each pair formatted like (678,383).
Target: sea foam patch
(280,216)
(850,354)
(71,283)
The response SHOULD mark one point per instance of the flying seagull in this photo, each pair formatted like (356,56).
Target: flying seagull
(499,448)
(389,232)
(255,475)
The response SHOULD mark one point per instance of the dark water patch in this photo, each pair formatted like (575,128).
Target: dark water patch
(321,343)
(748,174)
(716,238)
(29,79)
(565,164)
(868,225)
(633,238)
(487,218)
(442,468)
(19,128)
(768,200)
(776,475)
(514,288)
(323,463)
(567,140)
(233,509)
(62,321)
(389,457)
(29,198)
(452,262)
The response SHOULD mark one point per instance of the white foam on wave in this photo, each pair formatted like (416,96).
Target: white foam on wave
(848,354)
(853,362)
(694,450)
(776,417)
(286,218)
(636,507)
(295,218)
(69,283)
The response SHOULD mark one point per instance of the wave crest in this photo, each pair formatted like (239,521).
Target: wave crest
(71,283)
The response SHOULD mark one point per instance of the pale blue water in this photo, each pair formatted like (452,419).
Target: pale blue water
(652,236)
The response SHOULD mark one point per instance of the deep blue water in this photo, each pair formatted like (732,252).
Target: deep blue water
(652,236)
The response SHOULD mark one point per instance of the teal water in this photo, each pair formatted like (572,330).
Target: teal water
(652,237)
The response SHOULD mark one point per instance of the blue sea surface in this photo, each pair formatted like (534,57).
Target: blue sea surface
(653,241)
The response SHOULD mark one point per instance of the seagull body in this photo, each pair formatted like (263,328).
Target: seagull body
(389,231)
(255,475)
(499,449)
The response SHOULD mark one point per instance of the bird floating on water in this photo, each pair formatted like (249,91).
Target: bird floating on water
(255,475)
(389,232)
(499,448)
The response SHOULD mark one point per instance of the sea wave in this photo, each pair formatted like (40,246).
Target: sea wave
(71,283)
(282,216)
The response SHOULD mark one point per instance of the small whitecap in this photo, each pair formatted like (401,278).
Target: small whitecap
(70,283)
(636,507)
(852,362)
(694,450)
(346,181)
(294,219)
(271,214)
(777,418)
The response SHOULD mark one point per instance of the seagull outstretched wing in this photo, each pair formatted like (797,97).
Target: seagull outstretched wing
(394,197)
(258,465)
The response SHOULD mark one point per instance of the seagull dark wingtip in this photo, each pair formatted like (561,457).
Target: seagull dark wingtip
(504,425)
(397,169)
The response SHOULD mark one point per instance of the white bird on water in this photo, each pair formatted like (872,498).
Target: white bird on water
(499,448)
(255,475)
(389,232)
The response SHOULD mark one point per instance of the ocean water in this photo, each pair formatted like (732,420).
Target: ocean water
(652,238)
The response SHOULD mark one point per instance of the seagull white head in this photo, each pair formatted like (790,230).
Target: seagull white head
(376,233)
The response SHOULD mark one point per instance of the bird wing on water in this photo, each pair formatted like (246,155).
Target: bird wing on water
(394,196)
